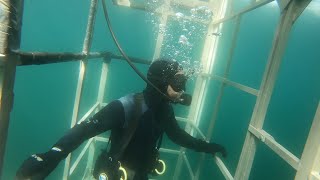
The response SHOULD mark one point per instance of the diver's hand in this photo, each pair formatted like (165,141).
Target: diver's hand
(36,167)
(214,148)
(31,167)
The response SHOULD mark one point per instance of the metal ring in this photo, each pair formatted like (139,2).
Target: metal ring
(163,169)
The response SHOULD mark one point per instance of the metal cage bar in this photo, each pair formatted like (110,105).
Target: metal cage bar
(193,125)
(88,171)
(201,86)
(10,35)
(246,10)
(39,58)
(309,165)
(75,164)
(85,50)
(266,89)
(239,86)
(89,113)
(103,80)
(221,91)
(310,159)
(188,165)
(275,146)
(160,38)
(223,168)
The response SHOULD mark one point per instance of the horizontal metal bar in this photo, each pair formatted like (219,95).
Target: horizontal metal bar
(101,139)
(191,3)
(188,165)
(185,4)
(168,12)
(275,146)
(244,88)
(171,151)
(181,119)
(39,58)
(192,125)
(75,164)
(89,113)
(245,10)
(223,168)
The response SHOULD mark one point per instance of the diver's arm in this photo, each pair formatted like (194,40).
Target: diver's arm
(111,116)
(38,166)
(182,138)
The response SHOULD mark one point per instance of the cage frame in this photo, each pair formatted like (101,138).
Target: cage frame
(10,57)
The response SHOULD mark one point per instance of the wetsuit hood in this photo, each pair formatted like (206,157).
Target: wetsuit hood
(160,73)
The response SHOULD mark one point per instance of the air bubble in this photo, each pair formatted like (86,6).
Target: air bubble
(179,15)
(183,40)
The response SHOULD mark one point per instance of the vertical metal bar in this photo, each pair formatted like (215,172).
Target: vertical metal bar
(266,89)
(201,86)
(221,90)
(163,22)
(160,38)
(103,80)
(85,50)
(310,159)
(10,34)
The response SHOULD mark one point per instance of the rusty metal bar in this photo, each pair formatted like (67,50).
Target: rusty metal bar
(39,58)
(10,34)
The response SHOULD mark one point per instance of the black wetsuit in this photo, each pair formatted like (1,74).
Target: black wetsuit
(159,118)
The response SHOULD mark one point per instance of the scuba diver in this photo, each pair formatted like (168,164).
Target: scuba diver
(137,123)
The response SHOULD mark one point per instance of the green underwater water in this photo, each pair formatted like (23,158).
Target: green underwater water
(44,95)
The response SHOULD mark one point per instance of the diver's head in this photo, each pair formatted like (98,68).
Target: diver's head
(168,76)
